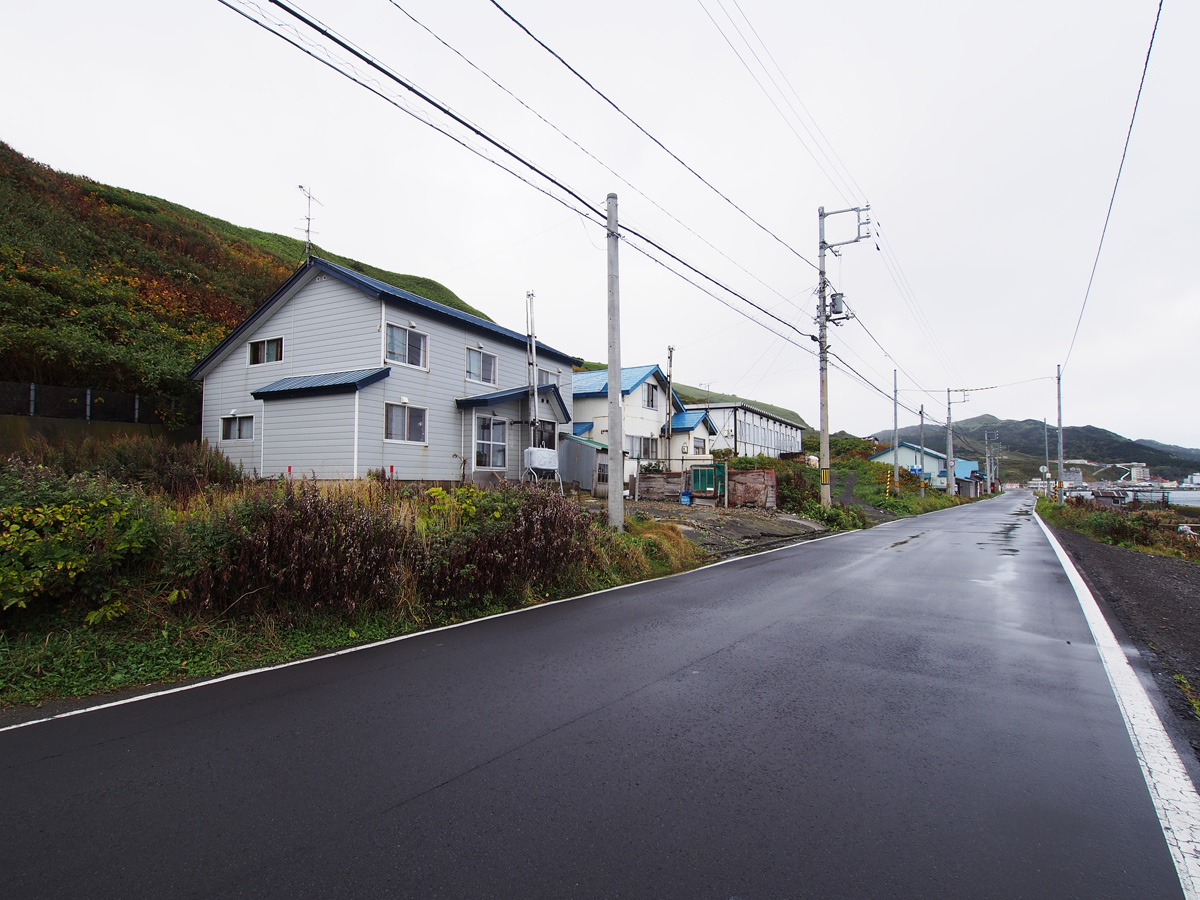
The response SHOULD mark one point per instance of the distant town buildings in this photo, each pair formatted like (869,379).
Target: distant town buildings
(1139,472)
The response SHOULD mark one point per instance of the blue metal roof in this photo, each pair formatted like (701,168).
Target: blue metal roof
(329,383)
(516,393)
(374,288)
(409,300)
(595,384)
(579,429)
(690,419)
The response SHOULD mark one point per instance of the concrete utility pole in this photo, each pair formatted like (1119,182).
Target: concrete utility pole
(616,434)
(670,400)
(895,432)
(824,317)
(951,487)
(922,449)
(1060,442)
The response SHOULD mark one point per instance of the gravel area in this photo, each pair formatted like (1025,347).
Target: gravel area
(1156,600)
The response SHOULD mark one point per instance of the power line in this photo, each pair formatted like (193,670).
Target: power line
(861,193)
(1112,199)
(588,210)
(771,100)
(660,144)
(583,149)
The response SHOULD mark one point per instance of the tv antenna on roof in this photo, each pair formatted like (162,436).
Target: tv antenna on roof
(307,229)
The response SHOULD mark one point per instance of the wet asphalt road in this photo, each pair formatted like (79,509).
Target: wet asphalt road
(913,711)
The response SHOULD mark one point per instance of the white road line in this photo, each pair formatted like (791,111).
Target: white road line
(176,689)
(1171,789)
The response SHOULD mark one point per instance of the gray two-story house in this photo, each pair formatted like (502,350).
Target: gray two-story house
(338,374)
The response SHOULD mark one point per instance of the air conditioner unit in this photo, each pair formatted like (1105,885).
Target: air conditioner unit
(728,432)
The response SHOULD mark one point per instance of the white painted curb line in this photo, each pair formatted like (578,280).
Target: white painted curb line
(404,637)
(1171,789)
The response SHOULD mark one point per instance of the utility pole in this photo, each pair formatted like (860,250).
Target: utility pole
(951,487)
(616,435)
(824,317)
(922,449)
(987,459)
(1058,495)
(670,402)
(895,432)
(531,361)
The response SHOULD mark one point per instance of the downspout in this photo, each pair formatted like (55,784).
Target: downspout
(356,434)
(262,441)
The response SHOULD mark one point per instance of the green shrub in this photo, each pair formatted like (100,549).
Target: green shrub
(74,541)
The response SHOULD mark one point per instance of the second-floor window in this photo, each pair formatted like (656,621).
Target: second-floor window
(650,395)
(481,366)
(545,376)
(407,346)
(698,445)
(266,351)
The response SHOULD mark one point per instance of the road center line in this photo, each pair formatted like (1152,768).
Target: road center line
(1172,791)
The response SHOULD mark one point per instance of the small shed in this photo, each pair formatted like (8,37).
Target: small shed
(584,462)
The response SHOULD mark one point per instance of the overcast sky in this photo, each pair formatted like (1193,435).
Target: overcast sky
(986,138)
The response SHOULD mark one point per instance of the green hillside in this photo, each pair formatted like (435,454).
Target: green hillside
(107,288)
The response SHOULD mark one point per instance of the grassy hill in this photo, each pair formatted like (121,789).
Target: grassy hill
(1024,443)
(107,288)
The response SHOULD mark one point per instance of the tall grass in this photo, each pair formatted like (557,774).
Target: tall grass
(105,583)
(1149,530)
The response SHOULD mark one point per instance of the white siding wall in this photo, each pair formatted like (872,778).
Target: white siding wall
(636,419)
(313,435)
(756,434)
(328,326)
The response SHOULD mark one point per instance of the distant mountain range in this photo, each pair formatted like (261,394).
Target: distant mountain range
(1024,442)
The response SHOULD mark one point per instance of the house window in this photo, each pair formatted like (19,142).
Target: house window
(545,376)
(601,473)
(237,428)
(404,423)
(481,366)
(698,445)
(650,396)
(491,443)
(407,346)
(266,351)
(544,434)
(642,447)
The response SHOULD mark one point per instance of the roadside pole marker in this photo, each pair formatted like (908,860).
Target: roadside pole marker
(1171,789)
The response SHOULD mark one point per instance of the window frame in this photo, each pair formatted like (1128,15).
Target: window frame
(545,427)
(551,377)
(408,409)
(264,343)
(236,423)
(482,379)
(650,395)
(698,444)
(491,443)
(408,332)
(639,444)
